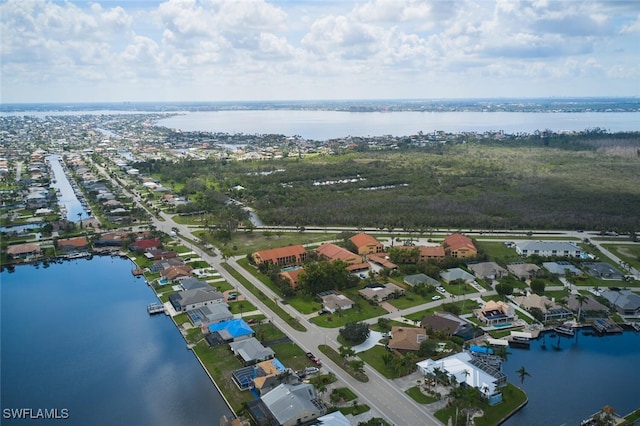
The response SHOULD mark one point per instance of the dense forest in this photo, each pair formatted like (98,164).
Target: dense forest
(543,182)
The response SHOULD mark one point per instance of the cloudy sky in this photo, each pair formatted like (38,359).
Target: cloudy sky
(213,50)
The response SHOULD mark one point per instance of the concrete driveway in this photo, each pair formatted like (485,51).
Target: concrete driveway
(372,340)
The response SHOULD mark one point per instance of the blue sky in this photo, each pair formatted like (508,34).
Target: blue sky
(222,50)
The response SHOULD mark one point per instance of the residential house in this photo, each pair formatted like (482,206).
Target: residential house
(496,313)
(282,256)
(292,276)
(176,272)
(166,264)
(625,302)
(229,331)
(190,283)
(469,370)
(561,268)
(456,274)
(547,248)
(159,254)
(268,374)
(111,239)
(406,339)
(424,253)
(331,252)
(366,244)
(210,314)
(590,307)
(73,245)
(287,405)
(440,324)
(551,310)
(24,251)
(333,301)
(602,270)
(459,246)
(379,293)
(192,299)
(381,260)
(524,271)
(487,270)
(145,244)
(251,351)
(414,280)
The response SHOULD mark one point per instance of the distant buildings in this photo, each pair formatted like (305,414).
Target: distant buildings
(547,248)
(282,256)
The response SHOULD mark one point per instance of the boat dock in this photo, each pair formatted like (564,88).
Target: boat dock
(155,308)
(606,326)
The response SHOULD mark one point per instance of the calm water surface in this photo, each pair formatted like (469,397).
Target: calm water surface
(323,125)
(569,384)
(77,336)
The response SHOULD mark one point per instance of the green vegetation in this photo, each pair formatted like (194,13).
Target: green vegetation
(342,395)
(264,299)
(419,397)
(512,399)
(291,355)
(629,253)
(335,357)
(354,409)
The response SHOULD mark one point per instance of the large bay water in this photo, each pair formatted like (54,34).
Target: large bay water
(324,125)
(77,336)
(573,378)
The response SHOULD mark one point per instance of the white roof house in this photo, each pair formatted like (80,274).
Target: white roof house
(547,248)
(461,367)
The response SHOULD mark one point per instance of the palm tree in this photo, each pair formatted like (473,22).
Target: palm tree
(522,373)
(581,299)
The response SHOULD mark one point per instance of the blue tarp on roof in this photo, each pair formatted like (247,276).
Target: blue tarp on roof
(235,327)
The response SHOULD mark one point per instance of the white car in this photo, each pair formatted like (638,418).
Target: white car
(436,297)
(441,289)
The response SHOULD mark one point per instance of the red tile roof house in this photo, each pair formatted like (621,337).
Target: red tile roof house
(282,256)
(145,244)
(292,277)
(24,251)
(333,252)
(406,339)
(458,245)
(366,244)
(71,245)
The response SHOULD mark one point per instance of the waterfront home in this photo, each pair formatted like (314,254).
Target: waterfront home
(493,313)
(332,301)
(190,283)
(267,375)
(331,252)
(192,299)
(551,310)
(459,246)
(210,314)
(472,371)
(24,251)
(282,256)
(379,293)
(366,244)
(176,272)
(73,245)
(561,268)
(487,270)
(524,271)
(590,307)
(229,331)
(625,302)
(251,351)
(414,280)
(166,264)
(456,274)
(145,244)
(111,239)
(547,248)
(287,405)
(406,339)
(160,254)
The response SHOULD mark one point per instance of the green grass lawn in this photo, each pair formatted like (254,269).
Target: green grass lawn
(419,397)
(362,311)
(334,356)
(291,355)
(512,399)
(345,394)
(220,363)
(249,242)
(498,252)
(267,331)
(241,306)
(630,253)
(266,300)
(355,410)
(373,357)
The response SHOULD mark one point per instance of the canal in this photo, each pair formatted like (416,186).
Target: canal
(67,198)
(77,336)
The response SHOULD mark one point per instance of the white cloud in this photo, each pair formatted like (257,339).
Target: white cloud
(255,48)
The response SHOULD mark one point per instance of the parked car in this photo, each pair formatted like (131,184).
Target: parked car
(311,370)
(436,297)
(313,358)
(441,289)
(232,296)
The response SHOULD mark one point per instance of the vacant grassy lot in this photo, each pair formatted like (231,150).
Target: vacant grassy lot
(630,253)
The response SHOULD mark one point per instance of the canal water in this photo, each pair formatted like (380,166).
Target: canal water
(574,377)
(66,196)
(77,336)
